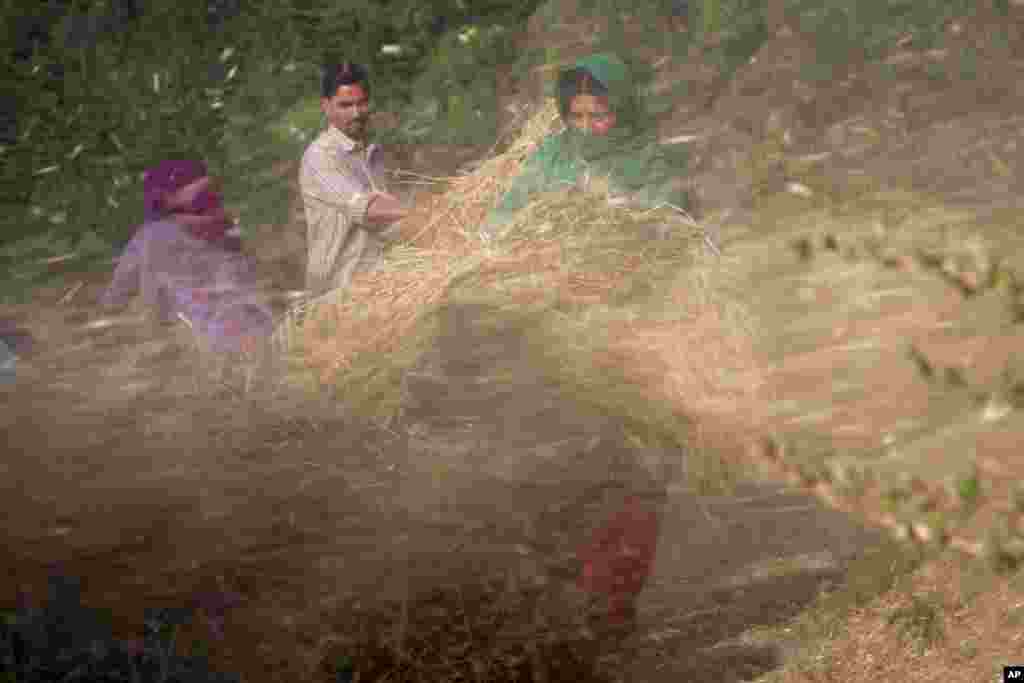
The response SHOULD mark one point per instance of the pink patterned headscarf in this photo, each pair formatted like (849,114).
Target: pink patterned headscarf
(165,178)
(204,217)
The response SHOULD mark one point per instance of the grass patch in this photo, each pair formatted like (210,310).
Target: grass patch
(45,260)
(1003,548)
(920,622)
(878,570)
(968,489)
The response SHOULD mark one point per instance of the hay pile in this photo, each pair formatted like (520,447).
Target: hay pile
(450,218)
(631,289)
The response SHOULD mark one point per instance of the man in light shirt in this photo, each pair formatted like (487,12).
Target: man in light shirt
(346,201)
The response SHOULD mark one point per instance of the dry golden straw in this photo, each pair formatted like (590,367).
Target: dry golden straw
(656,307)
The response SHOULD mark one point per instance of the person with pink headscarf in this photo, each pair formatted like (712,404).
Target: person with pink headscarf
(184,190)
(187,264)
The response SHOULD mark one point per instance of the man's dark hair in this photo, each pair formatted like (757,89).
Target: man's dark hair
(338,74)
(577,81)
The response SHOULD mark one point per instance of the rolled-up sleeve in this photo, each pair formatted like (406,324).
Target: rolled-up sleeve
(125,282)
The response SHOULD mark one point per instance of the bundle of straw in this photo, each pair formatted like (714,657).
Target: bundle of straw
(591,262)
(433,246)
(450,219)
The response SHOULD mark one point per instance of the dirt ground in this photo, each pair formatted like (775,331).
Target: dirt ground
(128,467)
(138,464)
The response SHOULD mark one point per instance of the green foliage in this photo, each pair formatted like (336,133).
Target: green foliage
(458,87)
(269,120)
(969,64)
(64,641)
(921,621)
(842,30)
(147,94)
(711,16)
(134,98)
(968,488)
(83,141)
(322,30)
(738,26)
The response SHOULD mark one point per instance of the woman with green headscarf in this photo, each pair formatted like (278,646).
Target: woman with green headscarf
(607,134)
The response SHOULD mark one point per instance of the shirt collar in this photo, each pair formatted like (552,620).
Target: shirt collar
(348,144)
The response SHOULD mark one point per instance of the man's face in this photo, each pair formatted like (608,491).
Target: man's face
(591,114)
(348,110)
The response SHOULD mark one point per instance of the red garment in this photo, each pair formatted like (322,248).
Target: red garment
(619,558)
(211,226)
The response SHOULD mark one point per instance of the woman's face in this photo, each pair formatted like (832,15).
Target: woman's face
(591,114)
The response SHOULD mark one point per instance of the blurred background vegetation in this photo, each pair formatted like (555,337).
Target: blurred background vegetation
(96,91)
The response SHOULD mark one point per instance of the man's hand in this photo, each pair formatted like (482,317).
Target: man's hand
(383,210)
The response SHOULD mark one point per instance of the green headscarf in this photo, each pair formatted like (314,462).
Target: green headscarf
(614,75)
(628,154)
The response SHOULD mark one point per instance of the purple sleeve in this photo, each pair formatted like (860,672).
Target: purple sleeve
(126,275)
